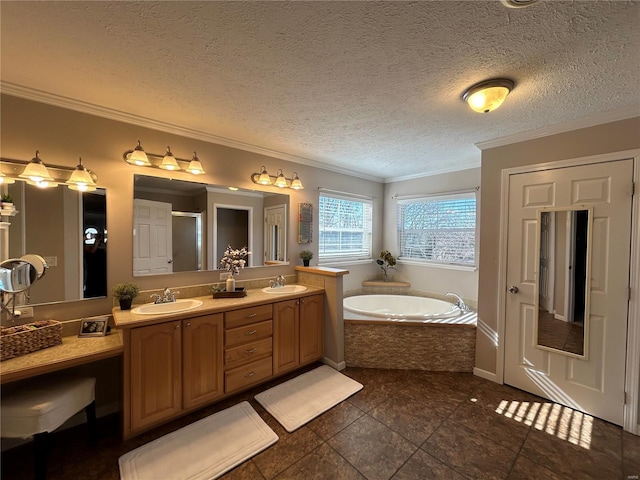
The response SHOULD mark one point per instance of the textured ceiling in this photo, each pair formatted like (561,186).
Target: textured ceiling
(372,87)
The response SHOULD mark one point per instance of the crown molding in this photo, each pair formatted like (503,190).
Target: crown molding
(120,116)
(431,173)
(585,122)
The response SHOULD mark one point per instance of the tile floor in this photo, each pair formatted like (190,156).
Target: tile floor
(401,425)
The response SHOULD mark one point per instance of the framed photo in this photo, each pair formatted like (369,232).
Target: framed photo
(93,327)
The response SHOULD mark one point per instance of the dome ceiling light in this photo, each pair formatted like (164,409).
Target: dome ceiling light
(486,96)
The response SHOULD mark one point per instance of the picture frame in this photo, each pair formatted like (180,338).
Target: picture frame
(93,327)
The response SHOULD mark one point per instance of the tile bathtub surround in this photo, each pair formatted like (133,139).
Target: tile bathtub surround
(404,424)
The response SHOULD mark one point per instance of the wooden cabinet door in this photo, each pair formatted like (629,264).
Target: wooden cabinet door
(155,373)
(311,329)
(202,355)
(286,332)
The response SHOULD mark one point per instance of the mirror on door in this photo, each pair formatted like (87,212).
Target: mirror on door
(563,283)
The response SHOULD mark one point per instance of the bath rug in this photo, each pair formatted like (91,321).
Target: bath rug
(303,398)
(203,450)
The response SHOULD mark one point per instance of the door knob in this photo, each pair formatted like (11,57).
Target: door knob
(514,289)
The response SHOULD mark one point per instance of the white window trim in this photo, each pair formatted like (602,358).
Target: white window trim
(347,259)
(404,199)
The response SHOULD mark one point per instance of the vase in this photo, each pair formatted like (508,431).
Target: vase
(231,283)
(125,303)
(305,263)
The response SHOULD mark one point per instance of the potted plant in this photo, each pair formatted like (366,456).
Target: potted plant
(125,293)
(306,255)
(386,261)
(7,201)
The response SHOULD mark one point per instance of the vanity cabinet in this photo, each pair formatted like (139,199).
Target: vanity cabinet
(202,344)
(174,366)
(248,347)
(156,373)
(297,333)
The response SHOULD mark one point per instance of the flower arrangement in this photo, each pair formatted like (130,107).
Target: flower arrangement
(234,260)
(386,261)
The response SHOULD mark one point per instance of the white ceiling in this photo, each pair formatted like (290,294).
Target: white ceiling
(367,87)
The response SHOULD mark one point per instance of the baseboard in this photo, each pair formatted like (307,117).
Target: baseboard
(478,372)
(337,366)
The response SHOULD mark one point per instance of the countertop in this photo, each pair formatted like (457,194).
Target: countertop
(127,319)
(73,351)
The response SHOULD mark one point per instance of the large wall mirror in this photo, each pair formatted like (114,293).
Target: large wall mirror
(68,229)
(182,226)
(562,290)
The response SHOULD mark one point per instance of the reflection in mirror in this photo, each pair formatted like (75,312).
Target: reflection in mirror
(68,229)
(239,217)
(562,300)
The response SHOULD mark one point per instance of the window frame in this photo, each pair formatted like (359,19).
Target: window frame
(444,196)
(327,259)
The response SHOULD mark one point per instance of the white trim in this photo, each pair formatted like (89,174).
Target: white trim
(119,116)
(446,266)
(345,262)
(336,366)
(438,171)
(599,119)
(631,416)
(632,381)
(479,372)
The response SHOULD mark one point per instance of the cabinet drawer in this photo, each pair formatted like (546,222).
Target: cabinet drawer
(236,356)
(245,316)
(247,333)
(249,374)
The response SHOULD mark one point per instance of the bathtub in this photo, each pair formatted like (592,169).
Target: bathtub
(408,332)
(400,307)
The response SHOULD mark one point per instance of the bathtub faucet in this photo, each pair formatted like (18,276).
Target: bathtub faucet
(278,282)
(459,302)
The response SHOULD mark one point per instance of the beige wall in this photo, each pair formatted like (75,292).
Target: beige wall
(601,139)
(63,135)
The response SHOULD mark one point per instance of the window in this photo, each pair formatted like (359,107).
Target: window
(344,227)
(438,229)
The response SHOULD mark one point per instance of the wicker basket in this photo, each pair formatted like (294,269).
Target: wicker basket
(22,339)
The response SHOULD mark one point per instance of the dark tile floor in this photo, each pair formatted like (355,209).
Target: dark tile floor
(401,425)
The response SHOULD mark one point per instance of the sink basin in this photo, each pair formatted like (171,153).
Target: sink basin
(179,305)
(285,289)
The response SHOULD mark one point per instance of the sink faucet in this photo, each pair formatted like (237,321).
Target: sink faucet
(278,282)
(459,302)
(167,296)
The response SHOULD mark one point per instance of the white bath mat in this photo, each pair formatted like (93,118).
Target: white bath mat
(303,398)
(203,450)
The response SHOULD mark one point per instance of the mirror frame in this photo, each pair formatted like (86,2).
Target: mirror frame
(587,301)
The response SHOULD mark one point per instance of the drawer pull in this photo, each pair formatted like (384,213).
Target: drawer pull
(250,351)
(252,332)
(251,315)
(250,374)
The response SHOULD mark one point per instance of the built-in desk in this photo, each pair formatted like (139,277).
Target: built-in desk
(73,351)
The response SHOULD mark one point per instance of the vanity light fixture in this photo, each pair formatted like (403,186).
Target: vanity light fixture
(195,167)
(36,173)
(488,95)
(168,161)
(263,178)
(4,180)
(138,157)
(81,179)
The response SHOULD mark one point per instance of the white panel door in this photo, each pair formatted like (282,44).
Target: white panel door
(152,239)
(274,234)
(595,384)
